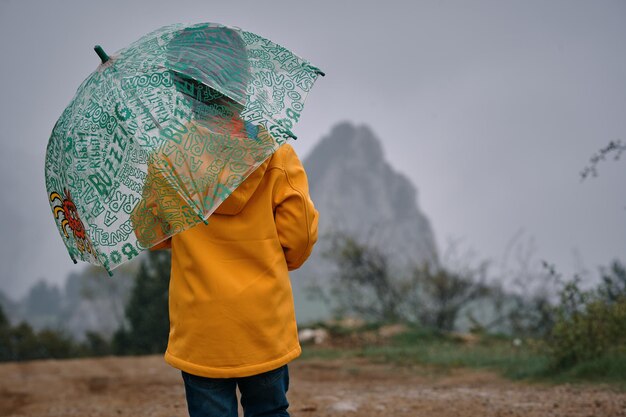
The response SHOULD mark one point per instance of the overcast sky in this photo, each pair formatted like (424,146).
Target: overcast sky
(491,108)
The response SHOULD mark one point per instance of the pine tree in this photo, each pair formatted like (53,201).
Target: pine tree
(147,310)
(5,337)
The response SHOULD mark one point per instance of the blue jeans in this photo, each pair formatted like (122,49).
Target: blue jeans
(261,395)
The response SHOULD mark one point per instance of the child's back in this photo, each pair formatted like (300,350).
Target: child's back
(231,303)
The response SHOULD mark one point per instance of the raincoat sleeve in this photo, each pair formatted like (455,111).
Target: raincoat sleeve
(295,215)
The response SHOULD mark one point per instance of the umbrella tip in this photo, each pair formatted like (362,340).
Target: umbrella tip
(205,221)
(317,70)
(103,55)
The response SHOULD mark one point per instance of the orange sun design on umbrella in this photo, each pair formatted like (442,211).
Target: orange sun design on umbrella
(70,219)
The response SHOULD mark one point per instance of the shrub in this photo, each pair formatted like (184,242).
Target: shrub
(364,285)
(589,325)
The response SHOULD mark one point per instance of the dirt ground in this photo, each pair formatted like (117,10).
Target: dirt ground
(146,386)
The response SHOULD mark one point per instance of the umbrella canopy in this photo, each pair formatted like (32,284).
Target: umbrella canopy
(165,130)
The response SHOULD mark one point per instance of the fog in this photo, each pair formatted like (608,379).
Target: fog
(491,108)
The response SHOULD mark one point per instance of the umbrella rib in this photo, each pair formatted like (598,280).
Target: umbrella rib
(147,111)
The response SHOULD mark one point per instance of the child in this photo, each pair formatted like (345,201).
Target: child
(231,309)
(232,320)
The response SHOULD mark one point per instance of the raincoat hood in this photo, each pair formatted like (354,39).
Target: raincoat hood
(238,199)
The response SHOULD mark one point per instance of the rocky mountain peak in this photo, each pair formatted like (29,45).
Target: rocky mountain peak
(357,191)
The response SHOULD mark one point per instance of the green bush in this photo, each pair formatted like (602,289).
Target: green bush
(589,325)
(22,343)
(95,345)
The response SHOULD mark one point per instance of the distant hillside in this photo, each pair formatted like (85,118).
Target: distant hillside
(356,190)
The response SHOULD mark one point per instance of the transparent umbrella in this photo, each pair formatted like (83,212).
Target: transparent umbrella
(165,130)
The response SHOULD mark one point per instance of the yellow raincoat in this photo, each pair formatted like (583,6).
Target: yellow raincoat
(231,305)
